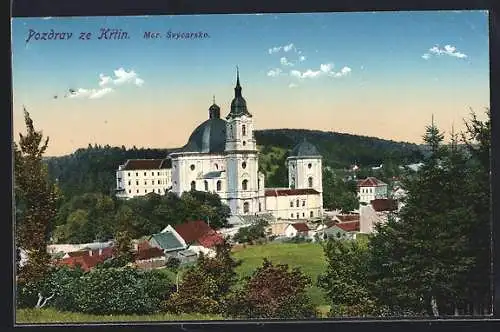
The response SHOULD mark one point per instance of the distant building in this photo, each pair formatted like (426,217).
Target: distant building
(371,188)
(297,229)
(377,212)
(221,157)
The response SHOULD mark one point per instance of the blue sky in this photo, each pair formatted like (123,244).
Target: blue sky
(344,68)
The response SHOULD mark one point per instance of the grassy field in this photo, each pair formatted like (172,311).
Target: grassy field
(49,315)
(307,256)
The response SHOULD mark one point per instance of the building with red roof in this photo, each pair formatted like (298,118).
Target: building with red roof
(371,188)
(377,212)
(297,229)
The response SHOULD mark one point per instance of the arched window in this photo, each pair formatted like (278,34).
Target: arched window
(206,185)
(243,165)
(193,185)
(244,130)
(310,180)
(297,216)
(219,185)
(246,207)
(244,184)
(291,203)
(297,203)
(311,214)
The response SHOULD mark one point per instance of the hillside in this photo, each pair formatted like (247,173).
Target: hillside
(92,169)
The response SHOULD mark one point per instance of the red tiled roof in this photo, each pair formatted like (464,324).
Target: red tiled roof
(140,164)
(370,182)
(301,227)
(143,245)
(151,252)
(290,192)
(385,204)
(198,231)
(86,262)
(348,217)
(79,253)
(351,226)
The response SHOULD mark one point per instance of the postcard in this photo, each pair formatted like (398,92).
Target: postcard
(252,167)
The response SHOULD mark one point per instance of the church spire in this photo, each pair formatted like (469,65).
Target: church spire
(237,88)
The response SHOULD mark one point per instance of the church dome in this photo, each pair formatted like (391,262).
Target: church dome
(208,137)
(305,149)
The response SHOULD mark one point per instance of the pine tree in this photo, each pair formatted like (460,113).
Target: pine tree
(36,202)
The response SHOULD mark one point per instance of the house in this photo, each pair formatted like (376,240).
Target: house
(371,188)
(377,212)
(86,259)
(149,257)
(346,217)
(104,253)
(332,231)
(297,229)
(57,249)
(167,241)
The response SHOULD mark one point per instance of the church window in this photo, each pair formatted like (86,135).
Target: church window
(129,182)
(192,167)
(298,216)
(297,203)
(206,185)
(128,173)
(145,182)
(158,174)
(144,173)
(137,190)
(244,143)
(311,214)
(136,174)
(309,165)
(310,180)
(159,182)
(145,190)
(244,130)
(260,207)
(303,203)
(137,183)
(246,207)
(193,185)
(303,214)
(244,165)
(291,215)
(219,185)
(258,184)
(244,184)
(129,191)
(153,174)
(152,182)
(291,203)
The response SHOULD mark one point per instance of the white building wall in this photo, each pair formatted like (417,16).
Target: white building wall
(290,231)
(368,194)
(281,206)
(141,182)
(368,218)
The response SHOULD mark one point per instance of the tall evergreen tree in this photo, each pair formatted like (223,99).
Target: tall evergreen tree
(36,202)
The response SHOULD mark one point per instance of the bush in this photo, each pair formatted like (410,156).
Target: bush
(99,291)
(173,263)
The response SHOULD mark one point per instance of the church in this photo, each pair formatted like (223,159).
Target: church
(221,156)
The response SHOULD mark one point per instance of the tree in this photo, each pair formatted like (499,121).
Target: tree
(36,202)
(344,280)
(273,291)
(339,194)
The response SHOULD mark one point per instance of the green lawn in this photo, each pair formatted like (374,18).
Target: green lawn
(307,256)
(49,315)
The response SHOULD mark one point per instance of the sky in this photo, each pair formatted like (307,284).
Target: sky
(381,74)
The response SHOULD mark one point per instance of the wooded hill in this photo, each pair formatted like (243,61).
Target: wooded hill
(93,169)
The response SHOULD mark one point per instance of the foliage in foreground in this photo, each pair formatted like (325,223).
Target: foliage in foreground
(272,292)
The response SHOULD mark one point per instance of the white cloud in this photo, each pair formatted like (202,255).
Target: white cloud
(121,76)
(104,80)
(284,62)
(289,47)
(90,93)
(284,48)
(302,58)
(446,50)
(324,70)
(274,72)
(292,85)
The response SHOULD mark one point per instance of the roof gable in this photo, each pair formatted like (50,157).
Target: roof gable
(370,182)
(167,241)
(351,226)
(198,231)
(301,227)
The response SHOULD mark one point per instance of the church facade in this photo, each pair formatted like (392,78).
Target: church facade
(221,156)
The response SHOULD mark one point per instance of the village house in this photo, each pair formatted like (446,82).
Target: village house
(377,212)
(298,229)
(371,188)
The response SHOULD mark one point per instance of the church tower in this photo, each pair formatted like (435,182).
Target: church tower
(243,182)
